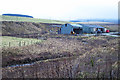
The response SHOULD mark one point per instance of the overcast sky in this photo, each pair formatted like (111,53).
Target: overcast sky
(62,9)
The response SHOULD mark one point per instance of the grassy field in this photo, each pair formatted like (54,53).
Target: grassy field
(13,41)
(36,20)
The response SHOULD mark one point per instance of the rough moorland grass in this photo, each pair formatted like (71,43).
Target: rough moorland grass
(14,41)
(94,57)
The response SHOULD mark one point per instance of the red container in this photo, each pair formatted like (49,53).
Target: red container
(107,31)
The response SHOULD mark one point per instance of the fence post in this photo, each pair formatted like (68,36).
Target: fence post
(20,43)
(28,43)
(24,43)
(9,44)
(31,42)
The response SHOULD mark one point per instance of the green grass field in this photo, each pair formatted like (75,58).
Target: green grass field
(13,41)
(25,19)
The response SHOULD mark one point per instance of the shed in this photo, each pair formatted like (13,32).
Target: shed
(70,28)
(92,28)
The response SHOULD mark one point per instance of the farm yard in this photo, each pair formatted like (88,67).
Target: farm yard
(26,54)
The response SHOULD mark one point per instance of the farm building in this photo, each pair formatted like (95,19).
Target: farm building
(92,28)
(18,15)
(70,29)
(80,28)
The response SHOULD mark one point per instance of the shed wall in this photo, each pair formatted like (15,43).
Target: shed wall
(87,29)
(66,29)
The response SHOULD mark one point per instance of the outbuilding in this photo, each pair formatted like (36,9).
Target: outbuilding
(92,28)
(81,28)
(71,29)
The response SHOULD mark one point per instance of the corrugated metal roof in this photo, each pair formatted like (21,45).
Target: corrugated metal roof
(76,25)
(95,26)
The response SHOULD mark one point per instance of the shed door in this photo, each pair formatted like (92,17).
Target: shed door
(77,31)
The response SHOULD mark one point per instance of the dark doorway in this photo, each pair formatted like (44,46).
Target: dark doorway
(102,29)
(77,30)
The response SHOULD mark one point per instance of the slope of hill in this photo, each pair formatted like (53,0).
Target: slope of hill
(12,25)
(25,19)
(14,28)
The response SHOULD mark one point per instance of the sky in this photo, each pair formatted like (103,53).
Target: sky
(62,9)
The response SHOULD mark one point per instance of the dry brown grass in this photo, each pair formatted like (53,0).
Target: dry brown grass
(93,55)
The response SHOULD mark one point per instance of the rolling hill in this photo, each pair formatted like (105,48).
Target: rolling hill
(12,25)
(25,19)
(12,28)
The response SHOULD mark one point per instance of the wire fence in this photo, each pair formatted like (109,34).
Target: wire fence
(19,43)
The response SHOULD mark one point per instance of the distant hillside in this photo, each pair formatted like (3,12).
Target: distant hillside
(12,25)
(18,15)
(112,21)
(14,28)
(25,19)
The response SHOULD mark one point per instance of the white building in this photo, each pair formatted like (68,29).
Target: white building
(70,29)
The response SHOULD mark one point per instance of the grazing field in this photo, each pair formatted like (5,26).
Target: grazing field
(8,41)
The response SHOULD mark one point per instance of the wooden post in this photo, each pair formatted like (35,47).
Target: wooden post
(24,43)
(28,43)
(20,43)
(9,44)
(31,42)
